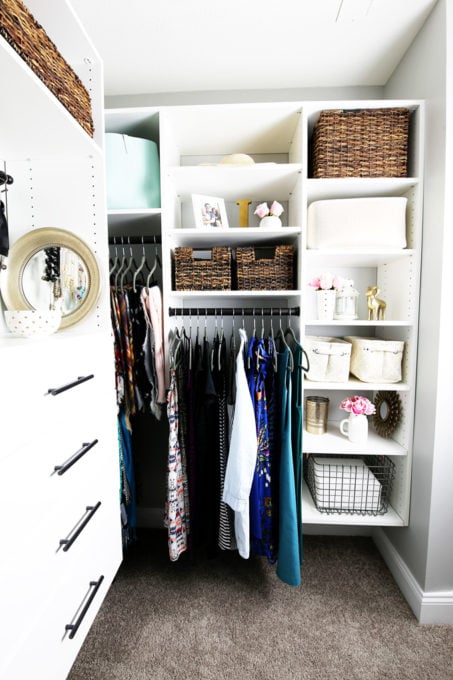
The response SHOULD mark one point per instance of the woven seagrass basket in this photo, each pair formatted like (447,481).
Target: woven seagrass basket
(212,273)
(361,143)
(274,271)
(31,42)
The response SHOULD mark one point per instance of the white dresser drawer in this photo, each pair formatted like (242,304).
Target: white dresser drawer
(51,385)
(28,584)
(73,602)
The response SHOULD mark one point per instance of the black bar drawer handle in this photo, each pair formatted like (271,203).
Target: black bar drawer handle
(86,446)
(68,542)
(58,390)
(74,627)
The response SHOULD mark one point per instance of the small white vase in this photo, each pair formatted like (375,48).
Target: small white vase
(271,222)
(355,428)
(325,301)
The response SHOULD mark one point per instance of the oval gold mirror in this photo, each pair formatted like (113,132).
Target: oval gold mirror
(52,269)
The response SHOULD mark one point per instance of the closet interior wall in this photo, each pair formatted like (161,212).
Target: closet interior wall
(192,141)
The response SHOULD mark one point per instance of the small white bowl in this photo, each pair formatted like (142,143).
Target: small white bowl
(32,322)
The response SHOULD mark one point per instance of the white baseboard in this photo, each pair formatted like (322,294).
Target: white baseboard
(428,607)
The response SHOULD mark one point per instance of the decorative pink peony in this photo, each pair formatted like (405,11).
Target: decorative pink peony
(327,281)
(263,210)
(276,209)
(358,405)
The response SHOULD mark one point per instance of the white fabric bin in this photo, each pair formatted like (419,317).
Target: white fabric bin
(357,223)
(375,360)
(329,358)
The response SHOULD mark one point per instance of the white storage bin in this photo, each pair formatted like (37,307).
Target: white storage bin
(375,360)
(357,223)
(329,358)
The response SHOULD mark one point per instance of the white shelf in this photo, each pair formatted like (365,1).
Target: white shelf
(359,322)
(356,258)
(133,221)
(355,187)
(355,384)
(256,182)
(311,515)
(228,294)
(233,236)
(334,442)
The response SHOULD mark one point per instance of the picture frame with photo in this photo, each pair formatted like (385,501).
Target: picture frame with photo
(209,212)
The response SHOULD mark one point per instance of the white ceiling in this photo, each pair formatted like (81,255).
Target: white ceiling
(153,46)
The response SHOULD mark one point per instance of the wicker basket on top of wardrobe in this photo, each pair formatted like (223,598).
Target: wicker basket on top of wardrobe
(31,42)
(361,143)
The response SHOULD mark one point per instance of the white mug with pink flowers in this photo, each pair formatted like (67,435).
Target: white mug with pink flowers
(355,427)
(269,217)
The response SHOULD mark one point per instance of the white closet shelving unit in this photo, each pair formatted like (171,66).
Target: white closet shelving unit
(193,140)
(58,172)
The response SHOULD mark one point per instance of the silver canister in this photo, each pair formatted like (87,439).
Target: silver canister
(316,412)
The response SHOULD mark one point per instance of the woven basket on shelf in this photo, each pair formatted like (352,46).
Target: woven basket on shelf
(265,273)
(361,143)
(203,274)
(31,42)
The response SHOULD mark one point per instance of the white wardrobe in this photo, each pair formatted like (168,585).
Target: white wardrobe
(61,542)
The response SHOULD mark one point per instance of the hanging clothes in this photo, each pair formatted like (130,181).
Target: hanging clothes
(288,564)
(261,508)
(297,427)
(175,511)
(242,455)
(152,305)
(127,482)
(219,365)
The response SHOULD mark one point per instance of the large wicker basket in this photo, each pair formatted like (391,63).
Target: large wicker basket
(361,143)
(31,42)
(274,271)
(210,271)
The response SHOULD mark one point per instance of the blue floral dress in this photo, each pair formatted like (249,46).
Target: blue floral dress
(262,534)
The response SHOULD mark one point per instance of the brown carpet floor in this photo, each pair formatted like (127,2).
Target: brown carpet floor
(230,619)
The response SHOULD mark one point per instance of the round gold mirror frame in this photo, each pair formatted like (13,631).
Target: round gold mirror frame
(388,412)
(21,252)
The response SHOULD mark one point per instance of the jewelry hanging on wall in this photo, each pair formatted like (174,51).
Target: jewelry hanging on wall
(6,180)
(52,272)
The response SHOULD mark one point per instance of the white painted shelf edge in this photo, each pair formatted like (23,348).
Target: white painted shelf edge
(334,442)
(311,515)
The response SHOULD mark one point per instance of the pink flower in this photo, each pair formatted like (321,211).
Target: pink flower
(262,210)
(315,283)
(326,281)
(358,406)
(276,209)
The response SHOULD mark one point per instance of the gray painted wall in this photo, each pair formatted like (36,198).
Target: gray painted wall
(426,546)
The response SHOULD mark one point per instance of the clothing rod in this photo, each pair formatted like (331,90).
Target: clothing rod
(236,311)
(134,240)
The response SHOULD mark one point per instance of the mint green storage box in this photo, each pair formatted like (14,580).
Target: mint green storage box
(132,172)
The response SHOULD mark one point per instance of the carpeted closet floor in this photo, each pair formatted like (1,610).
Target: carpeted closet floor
(230,619)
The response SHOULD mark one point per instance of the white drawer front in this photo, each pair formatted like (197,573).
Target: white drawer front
(28,589)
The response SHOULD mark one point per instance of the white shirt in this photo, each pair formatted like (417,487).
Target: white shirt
(242,456)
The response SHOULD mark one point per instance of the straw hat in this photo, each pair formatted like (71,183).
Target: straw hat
(237,159)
